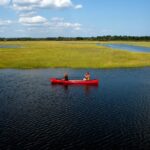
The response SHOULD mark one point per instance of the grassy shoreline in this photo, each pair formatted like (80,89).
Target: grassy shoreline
(70,54)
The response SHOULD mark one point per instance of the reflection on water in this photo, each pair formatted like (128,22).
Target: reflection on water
(37,115)
(86,88)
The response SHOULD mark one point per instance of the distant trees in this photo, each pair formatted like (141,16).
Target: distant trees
(98,38)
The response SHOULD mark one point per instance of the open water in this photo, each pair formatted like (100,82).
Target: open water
(37,115)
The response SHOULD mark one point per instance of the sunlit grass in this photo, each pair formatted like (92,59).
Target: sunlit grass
(73,54)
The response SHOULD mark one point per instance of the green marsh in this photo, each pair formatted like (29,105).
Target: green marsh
(70,54)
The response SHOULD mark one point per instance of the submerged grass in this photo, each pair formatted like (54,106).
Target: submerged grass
(45,54)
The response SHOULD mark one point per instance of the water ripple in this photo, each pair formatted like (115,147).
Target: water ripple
(37,115)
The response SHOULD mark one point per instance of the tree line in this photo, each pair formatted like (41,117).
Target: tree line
(97,38)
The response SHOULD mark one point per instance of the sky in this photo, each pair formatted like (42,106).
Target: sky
(72,18)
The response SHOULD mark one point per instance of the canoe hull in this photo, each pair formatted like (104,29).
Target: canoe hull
(79,82)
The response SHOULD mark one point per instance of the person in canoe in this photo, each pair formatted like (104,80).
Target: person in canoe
(87,76)
(66,77)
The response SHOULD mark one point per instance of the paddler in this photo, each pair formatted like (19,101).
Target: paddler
(87,76)
(66,77)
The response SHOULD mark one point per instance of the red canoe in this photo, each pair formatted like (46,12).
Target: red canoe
(82,82)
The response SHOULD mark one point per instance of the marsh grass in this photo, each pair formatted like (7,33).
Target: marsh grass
(73,54)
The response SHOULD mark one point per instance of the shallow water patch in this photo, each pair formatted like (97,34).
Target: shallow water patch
(127,47)
(10,46)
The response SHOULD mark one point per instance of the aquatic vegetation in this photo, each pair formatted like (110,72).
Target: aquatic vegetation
(73,54)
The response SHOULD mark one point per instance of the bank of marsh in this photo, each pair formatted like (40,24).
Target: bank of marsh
(73,54)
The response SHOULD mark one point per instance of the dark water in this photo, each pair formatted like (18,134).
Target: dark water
(10,46)
(37,115)
(127,47)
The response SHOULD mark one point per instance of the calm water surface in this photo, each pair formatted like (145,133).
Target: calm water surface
(127,47)
(37,115)
(10,46)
